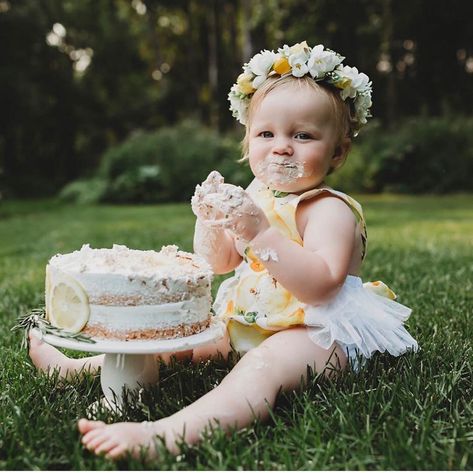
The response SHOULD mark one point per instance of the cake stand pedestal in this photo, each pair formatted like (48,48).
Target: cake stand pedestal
(132,364)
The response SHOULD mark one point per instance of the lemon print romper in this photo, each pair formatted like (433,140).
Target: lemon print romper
(361,318)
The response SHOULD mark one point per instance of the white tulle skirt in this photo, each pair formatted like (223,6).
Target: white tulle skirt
(361,322)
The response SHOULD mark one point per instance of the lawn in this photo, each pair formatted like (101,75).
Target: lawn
(413,412)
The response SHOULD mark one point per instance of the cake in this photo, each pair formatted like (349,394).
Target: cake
(123,294)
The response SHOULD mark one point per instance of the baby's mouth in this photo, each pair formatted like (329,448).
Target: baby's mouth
(281,171)
(285,165)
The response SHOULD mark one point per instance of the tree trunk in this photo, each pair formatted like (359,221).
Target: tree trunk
(387,49)
(247,44)
(213,63)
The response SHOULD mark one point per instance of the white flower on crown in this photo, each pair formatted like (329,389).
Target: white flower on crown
(362,105)
(285,51)
(297,57)
(352,82)
(238,103)
(298,48)
(260,65)
(298,62)
(322,61)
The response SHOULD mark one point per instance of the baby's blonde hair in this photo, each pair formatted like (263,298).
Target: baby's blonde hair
(343,115)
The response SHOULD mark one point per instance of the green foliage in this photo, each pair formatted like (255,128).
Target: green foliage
(84,191)
(160,167)
(420,155)
(408,413)
(152,67)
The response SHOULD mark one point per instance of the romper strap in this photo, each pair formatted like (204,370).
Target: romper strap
(352,203)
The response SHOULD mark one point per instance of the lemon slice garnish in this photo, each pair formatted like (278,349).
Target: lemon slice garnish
(47,292)
(68,305)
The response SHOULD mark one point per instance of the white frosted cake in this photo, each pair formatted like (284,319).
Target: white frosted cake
(124,294)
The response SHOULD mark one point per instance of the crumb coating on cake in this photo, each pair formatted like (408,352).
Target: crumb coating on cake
(178,331)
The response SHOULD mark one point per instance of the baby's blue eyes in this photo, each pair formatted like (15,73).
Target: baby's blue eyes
(299,136)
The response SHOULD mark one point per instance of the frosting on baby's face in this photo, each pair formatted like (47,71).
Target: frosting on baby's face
(280,171)
(292,139)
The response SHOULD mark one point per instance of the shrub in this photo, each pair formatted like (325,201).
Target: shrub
(421,155)
(84,191)
(162,166)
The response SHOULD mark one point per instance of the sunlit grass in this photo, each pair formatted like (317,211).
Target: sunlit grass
(414,412)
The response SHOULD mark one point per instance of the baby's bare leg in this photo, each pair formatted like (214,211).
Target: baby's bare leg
(212,350)
(246,392)
(48,358)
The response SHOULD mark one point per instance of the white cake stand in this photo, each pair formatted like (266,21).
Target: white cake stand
(132,364)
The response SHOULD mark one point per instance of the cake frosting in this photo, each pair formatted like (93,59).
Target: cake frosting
(134,294)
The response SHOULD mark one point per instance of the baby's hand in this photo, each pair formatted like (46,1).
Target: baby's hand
(210,186)
(238,212)
(226,206)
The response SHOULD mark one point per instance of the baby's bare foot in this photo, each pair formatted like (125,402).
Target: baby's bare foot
(116,440)
(47,358)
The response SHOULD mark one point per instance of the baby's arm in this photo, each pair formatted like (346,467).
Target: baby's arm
(316,271)
(313,272)
(216,245)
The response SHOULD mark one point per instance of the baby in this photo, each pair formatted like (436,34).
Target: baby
(296,299)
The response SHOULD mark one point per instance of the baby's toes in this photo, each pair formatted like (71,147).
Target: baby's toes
(91,438)
(34,339)
(85,425)
(106,446)
(96,441)
(116,452)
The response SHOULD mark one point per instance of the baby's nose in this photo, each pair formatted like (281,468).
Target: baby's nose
(283,146)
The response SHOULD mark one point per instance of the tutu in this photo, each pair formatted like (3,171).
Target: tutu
(360,321)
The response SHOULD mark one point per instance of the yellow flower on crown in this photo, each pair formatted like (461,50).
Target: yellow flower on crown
(244,82)
(299,47)
(281,66)
(343,83)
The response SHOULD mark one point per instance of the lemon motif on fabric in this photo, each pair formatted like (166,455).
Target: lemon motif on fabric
(244,338)
(280,211)
(255,264)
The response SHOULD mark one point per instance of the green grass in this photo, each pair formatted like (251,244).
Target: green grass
(413,412)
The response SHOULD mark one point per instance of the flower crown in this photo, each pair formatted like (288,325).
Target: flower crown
(323,65)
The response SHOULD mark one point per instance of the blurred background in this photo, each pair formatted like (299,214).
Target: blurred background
(126,100)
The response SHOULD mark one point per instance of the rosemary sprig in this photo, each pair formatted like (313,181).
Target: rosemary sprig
(36,319)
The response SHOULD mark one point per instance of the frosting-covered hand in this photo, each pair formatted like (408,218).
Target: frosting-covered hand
(242,216)
(200,208)
(230,207)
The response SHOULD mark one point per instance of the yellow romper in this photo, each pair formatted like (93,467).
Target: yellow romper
(254,305)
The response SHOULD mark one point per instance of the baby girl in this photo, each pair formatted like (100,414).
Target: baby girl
(296,245)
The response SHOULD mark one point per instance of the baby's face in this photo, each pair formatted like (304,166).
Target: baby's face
(292,139)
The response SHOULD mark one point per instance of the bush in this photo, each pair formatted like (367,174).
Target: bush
(163,166)
(421,155)
(84,191)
